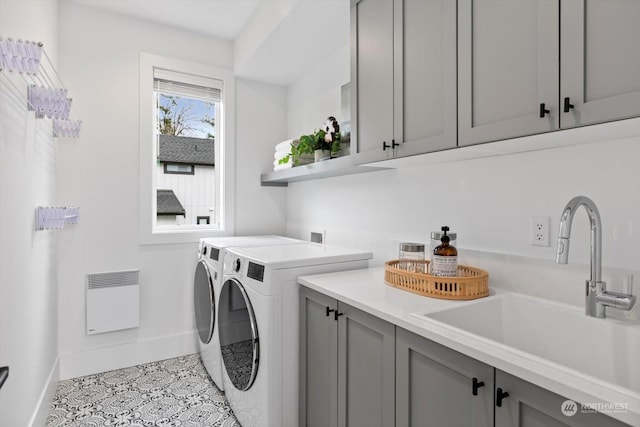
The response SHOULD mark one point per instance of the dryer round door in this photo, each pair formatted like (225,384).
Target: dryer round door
(238,335)
(204,302)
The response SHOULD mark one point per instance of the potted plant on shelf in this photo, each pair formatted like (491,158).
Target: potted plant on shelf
(322,144)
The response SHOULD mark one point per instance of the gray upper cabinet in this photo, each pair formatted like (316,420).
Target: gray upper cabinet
(527,405)
(403,63)
(427,53)
(372,72)
(577,57)
(600,70)
(508,62)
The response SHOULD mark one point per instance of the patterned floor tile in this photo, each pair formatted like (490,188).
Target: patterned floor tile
(171,393)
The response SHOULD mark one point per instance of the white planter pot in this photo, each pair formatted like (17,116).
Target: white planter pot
(320,155)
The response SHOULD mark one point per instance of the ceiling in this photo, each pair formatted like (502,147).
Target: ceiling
(218,18)
(275,41)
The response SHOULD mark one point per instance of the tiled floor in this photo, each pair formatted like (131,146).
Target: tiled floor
(170,393)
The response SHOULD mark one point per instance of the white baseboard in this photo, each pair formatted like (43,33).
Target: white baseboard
(96,360)
(41,412)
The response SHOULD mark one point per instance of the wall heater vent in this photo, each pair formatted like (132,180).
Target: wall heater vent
(113,301)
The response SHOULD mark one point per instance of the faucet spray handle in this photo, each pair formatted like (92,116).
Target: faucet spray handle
(629,286)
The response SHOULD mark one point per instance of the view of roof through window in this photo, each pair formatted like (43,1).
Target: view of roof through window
(186,117)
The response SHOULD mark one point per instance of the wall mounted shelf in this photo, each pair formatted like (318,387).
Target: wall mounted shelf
(327,169)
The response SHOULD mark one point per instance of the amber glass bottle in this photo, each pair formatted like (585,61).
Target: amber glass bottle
(445,257)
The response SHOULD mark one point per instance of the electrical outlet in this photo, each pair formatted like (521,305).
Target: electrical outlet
(317,237)
(540,230)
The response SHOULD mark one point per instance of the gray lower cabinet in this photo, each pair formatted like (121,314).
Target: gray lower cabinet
(318,360)
(347,365)
(527,405)
(357,370)
(439,387)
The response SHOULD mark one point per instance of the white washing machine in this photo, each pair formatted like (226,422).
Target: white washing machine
(206,289)
(258,326)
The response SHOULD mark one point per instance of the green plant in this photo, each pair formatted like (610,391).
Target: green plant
(307,144)
(318,141)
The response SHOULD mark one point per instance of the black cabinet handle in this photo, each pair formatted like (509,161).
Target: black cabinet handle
(543,111)
(336,315)
(567,105)
(385,146)
(475,385)
(329,310)
(4,374)
(499,396)
(394,144)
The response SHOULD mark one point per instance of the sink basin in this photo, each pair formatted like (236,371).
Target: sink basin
(607,349)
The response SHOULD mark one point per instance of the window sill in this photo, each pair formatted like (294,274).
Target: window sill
(169,237)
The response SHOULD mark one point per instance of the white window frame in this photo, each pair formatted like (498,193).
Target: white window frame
(224,154)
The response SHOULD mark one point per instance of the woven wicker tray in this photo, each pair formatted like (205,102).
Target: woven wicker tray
(470,283)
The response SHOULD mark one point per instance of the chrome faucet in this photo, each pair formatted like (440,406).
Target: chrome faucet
(597,297)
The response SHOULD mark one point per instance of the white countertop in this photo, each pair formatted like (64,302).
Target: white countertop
(367,291)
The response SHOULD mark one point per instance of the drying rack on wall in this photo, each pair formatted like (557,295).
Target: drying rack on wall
(55,218)
(46,95)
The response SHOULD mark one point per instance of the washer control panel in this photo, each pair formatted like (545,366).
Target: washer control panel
(255,271)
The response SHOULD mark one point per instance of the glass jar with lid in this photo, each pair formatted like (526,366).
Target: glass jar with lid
(412,257)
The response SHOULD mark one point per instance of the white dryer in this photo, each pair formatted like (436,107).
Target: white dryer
(258,326)
(206,289)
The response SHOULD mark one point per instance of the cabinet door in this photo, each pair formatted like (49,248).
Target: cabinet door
(528,405)
(372,73)
(426,116)
(600,71)
(435,385)
(366,369)
(508,66)
(318,360)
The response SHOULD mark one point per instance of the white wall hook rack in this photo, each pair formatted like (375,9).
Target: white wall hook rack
(55,218)
(45,92)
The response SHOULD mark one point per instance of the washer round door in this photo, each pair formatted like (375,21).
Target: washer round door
(238,335)
(204,302)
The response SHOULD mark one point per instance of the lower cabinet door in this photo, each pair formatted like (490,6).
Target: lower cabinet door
(439,387)
(528,405)
(366,369)
(318,360)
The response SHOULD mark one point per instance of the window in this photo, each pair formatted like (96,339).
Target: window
(204,220)
(186,150)
(178,169)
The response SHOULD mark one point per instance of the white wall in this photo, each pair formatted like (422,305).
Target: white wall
(100,57)
(489,202)
(261,119)
(317,95)
(28,275)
